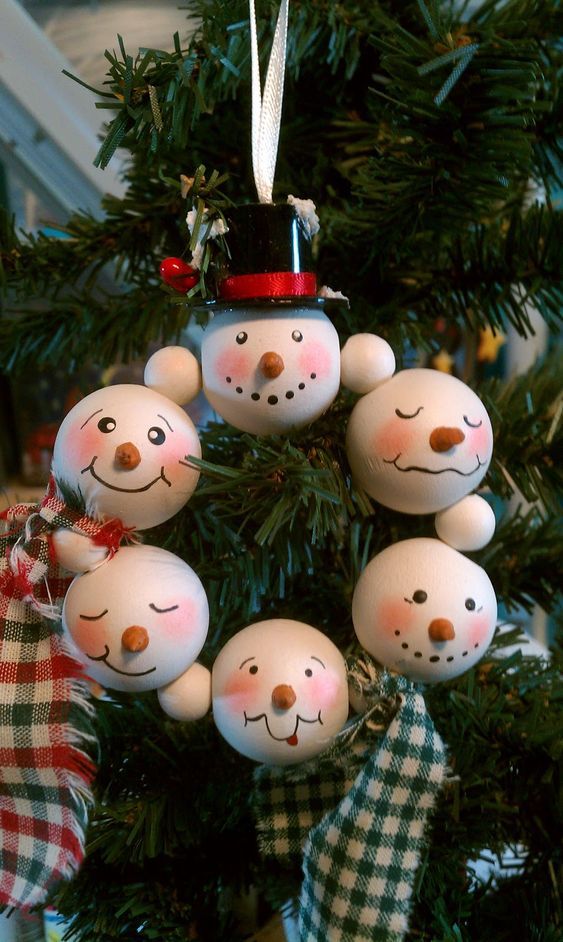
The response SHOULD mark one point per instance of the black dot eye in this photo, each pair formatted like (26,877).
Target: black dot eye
(107,424)
(253,669)
(470,605)
(242,337)
(297,336)
(156,435)
(308,672)
(419,596)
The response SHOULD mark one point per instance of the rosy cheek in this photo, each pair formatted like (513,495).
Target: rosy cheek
(322,691)
(173,450)
(315,358)
(89,636)
(233,363)
(478,629)
(179,624)
(393,438)
(480,440)
(241,692)
(80,445)
(394,615)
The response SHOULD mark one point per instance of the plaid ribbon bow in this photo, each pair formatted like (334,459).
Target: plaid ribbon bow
(360,860)
(44,711)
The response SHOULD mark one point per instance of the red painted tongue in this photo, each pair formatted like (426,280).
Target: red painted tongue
(292,740)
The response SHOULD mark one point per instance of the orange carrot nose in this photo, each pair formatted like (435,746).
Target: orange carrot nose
(442,438)
(127,456)
(283,696)
(135,638)
(440,629)
(271,365)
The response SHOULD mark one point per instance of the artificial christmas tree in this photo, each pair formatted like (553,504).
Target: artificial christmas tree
(418,130)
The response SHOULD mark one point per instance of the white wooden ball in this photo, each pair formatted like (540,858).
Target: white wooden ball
(174,372)
(189,696)
(366,360)
(468,525)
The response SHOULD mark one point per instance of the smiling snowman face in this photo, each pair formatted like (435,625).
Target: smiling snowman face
(139,620)
(267,372)
(125,450)
(279,692)
(419,442)
(424,610)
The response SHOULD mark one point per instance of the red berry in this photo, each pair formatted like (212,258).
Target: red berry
(178,274)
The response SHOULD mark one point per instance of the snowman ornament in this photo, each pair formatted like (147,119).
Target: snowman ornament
(124,451)
(138,622)
(424,610)
(279,692)
(270,355)
(419,442)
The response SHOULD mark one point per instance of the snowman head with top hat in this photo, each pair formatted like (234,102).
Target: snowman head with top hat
(270,355)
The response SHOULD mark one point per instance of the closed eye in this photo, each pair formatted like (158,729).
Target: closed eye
(405,415)
(472,424)
(155,608)
(94,617)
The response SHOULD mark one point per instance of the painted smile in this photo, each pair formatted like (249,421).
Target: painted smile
(124,490)
(414,467)
(272,400)
(104,657)
(433,658)
(291,740)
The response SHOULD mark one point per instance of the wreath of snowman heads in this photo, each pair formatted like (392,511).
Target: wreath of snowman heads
(418,442)
(139,622)
(280,692)
(423,609)
(125,450)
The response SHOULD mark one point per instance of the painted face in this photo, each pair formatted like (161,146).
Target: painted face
(139,621)
(279,692)
(269,372)
(126,450)
(419,442)
(424,610)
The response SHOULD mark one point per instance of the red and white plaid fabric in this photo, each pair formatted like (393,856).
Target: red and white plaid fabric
(45,775)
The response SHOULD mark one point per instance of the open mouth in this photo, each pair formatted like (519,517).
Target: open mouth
(124,490)
(104,658)
(414,467)
(272,400)
(291,740)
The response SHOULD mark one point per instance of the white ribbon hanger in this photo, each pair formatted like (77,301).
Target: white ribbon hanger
(267,108)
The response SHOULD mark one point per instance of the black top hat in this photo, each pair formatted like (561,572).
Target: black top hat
(270,258)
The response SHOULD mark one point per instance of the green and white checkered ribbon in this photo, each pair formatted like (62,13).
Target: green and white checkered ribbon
(287,802)
(360,861)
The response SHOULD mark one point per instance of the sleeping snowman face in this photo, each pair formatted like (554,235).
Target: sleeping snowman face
(279,692)
(139,620)
(125,450)
(422,609)
(269,371)
(419,442)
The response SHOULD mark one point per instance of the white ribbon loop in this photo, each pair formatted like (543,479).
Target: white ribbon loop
(266,109)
